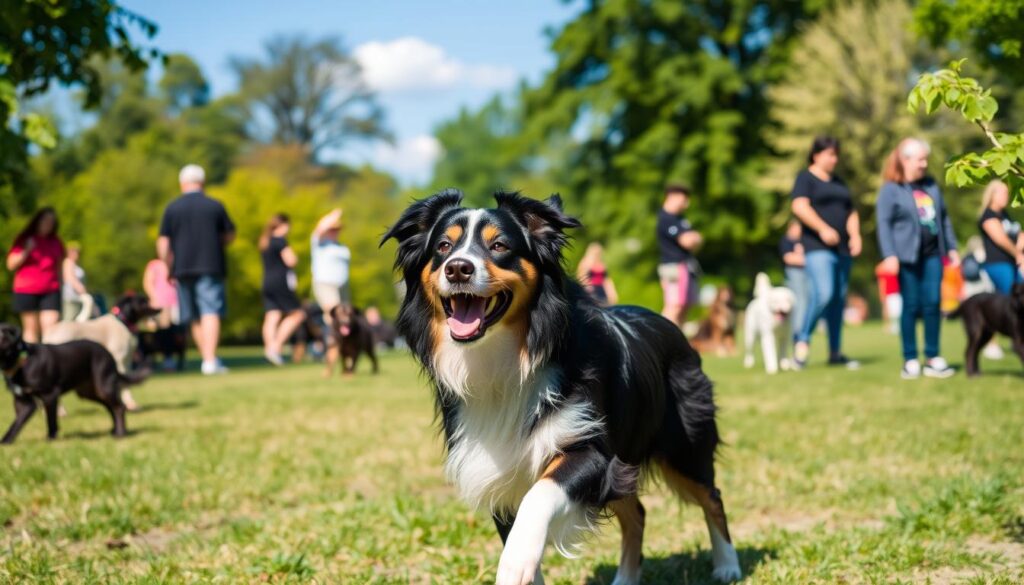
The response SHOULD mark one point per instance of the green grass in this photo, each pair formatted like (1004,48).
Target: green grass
(278,475)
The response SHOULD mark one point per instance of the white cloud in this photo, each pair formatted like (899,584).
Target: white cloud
(410,159)
(412,64)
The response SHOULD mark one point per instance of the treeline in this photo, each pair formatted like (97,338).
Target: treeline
(726,97)
(723,96)
(111,182)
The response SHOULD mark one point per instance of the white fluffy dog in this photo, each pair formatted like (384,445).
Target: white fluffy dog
(767,319)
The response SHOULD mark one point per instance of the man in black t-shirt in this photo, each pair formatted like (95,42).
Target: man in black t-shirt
(677,241)
(193,233)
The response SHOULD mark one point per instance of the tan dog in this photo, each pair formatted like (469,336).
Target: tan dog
(114,331)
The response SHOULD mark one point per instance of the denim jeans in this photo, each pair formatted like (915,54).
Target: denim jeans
(828,274)
(796,281)
(1003,275)
(921,287)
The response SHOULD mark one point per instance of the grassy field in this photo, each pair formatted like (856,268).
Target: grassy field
(278,475)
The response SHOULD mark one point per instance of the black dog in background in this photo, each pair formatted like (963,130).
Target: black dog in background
(171,343)
(986,314)
(354,336)
(44,372)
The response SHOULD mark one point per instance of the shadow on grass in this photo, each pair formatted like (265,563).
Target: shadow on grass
(691,567)
(147,407)
(104,433)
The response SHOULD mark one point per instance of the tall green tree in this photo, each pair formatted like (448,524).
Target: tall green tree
(994,29)
(849,76)
(658,91)
(311,93)
(46,41)
(481,151)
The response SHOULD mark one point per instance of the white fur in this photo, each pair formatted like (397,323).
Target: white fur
(496,459)
(544,505)
(479,281)
(723,557)
(762,322)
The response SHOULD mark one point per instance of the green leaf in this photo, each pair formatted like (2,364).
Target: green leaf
(40,130)
(988,107)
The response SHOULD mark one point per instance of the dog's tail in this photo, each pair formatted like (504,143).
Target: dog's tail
(135,377)
(762,284)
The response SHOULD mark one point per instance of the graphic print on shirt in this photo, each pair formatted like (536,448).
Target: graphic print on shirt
(926,211)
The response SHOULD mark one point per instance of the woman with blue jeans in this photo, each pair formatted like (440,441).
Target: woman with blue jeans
(831,239)
(915,234)
(1002,237)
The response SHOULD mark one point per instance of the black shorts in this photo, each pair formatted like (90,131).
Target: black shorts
(28,303)
(280,299)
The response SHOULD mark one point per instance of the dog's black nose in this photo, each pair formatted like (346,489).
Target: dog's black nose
(458,270)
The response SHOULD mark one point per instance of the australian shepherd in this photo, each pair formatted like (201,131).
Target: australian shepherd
(553,409)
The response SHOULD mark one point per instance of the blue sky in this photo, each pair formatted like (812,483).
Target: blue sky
(425,59)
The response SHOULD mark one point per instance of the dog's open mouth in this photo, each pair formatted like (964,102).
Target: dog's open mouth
(469,316)
(781,316)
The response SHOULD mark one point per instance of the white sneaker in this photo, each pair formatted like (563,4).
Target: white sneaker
(938,368)
(911,370)
(992,351)
(213,368)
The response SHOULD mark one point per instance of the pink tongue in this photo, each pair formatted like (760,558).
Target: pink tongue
(467,315)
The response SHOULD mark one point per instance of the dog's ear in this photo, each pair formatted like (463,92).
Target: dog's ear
(413,227)
(544,220)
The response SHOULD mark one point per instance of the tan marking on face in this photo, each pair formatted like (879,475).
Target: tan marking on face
(454,233)
(437,325)
(490,232)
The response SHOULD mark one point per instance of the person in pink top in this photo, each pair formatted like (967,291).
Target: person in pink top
(36,259)
(156,281)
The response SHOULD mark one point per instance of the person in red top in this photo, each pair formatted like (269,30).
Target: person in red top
(36,259)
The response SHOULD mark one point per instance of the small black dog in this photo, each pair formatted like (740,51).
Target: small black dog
(354,336)
(44,372)
(170,342)
(986,314)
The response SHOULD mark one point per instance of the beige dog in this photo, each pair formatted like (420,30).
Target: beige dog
(114,331)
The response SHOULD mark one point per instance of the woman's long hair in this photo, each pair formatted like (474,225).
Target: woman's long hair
(277,220)
(990,193)
(33,225)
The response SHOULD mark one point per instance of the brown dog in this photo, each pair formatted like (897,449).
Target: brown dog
(717,332)
(353,334)
(986,314)
(44,372)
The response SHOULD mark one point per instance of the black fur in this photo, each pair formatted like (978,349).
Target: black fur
(44,372)
(986,314)
(633,368)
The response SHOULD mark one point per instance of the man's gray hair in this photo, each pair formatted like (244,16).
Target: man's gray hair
(909,145)
(192,174)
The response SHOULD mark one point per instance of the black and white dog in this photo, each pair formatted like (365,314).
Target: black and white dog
(552,408)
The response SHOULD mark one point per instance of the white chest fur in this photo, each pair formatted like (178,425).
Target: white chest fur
(498,452)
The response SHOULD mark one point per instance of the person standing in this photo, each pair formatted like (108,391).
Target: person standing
(1002,237)
(792,253)
(593,275)
(830,228)
(36,259)
(915,234)
(194,231)
(677,242)
(330,267)
(75,296)
(282,310)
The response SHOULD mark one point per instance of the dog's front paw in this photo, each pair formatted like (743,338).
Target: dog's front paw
(518,568)
(748,361)
(786,364)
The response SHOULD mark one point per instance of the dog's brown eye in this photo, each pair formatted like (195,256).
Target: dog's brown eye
(499,247)
(444,247)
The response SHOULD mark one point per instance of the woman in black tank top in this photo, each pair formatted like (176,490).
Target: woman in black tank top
(283,311)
